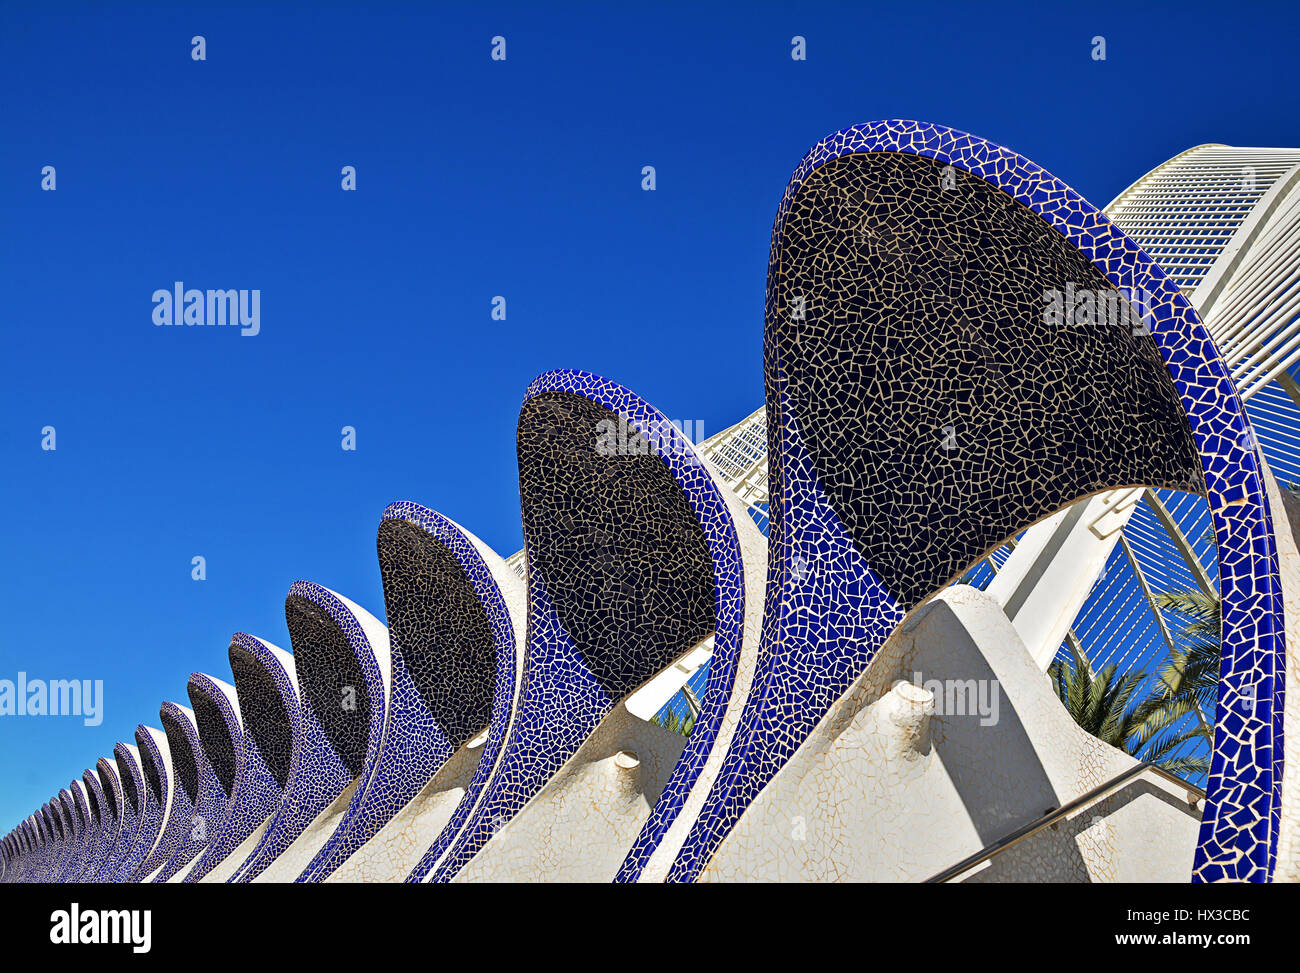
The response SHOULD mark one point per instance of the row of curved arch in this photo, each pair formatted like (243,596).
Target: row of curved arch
(403,752)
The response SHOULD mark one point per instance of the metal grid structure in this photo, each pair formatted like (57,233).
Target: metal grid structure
(740,455)
(1117,624)
(1185,212)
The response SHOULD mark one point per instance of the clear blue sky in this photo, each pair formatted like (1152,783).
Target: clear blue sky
(475,178)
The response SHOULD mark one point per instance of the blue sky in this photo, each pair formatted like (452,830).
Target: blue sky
(475,178)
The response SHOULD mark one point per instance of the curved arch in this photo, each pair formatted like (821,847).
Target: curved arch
(122,809)
(31,835)
(22,852)
(1238,835)
(207,774)
(129,774)
(88,809)
(198,801)
(216,712)
(45,843)
(57,845)
(633,561)
(155,803)
(66,819)
(340,653)
(181,775)
(18,854)
(106,834)
(83,829)
(72,833)
(93,816)
(36,839)
(89,824)
(502,599)
(266,689)
(454,644)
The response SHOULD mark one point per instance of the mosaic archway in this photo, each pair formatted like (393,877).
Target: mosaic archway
(149,850)
(892,243)
(46,843)
(123,813)
(632,561)
(72,835)
(83,830)
(266,689)
(183,773)
(106,828)
(455,620)
(201,801)
(447,636)
(130,774)
(340,655)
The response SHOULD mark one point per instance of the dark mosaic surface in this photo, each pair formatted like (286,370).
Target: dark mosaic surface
(104,811)
(219,728)
(123,813)
(66,809)
(339,717)
(436,622)
(200,803)
(628,566)
(444,652)
(620,583)
(153,844)
(505,662)
(923,313)
(130,778)
(84,829)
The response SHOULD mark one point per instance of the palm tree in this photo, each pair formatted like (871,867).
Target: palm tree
(1107,705)
(669,720)
(1193,666)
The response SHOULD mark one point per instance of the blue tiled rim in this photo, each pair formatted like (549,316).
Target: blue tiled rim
(708,505)
(710,508)
(489,596)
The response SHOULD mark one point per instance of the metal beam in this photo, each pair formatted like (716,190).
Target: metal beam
(1160,619)
(1180,541)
